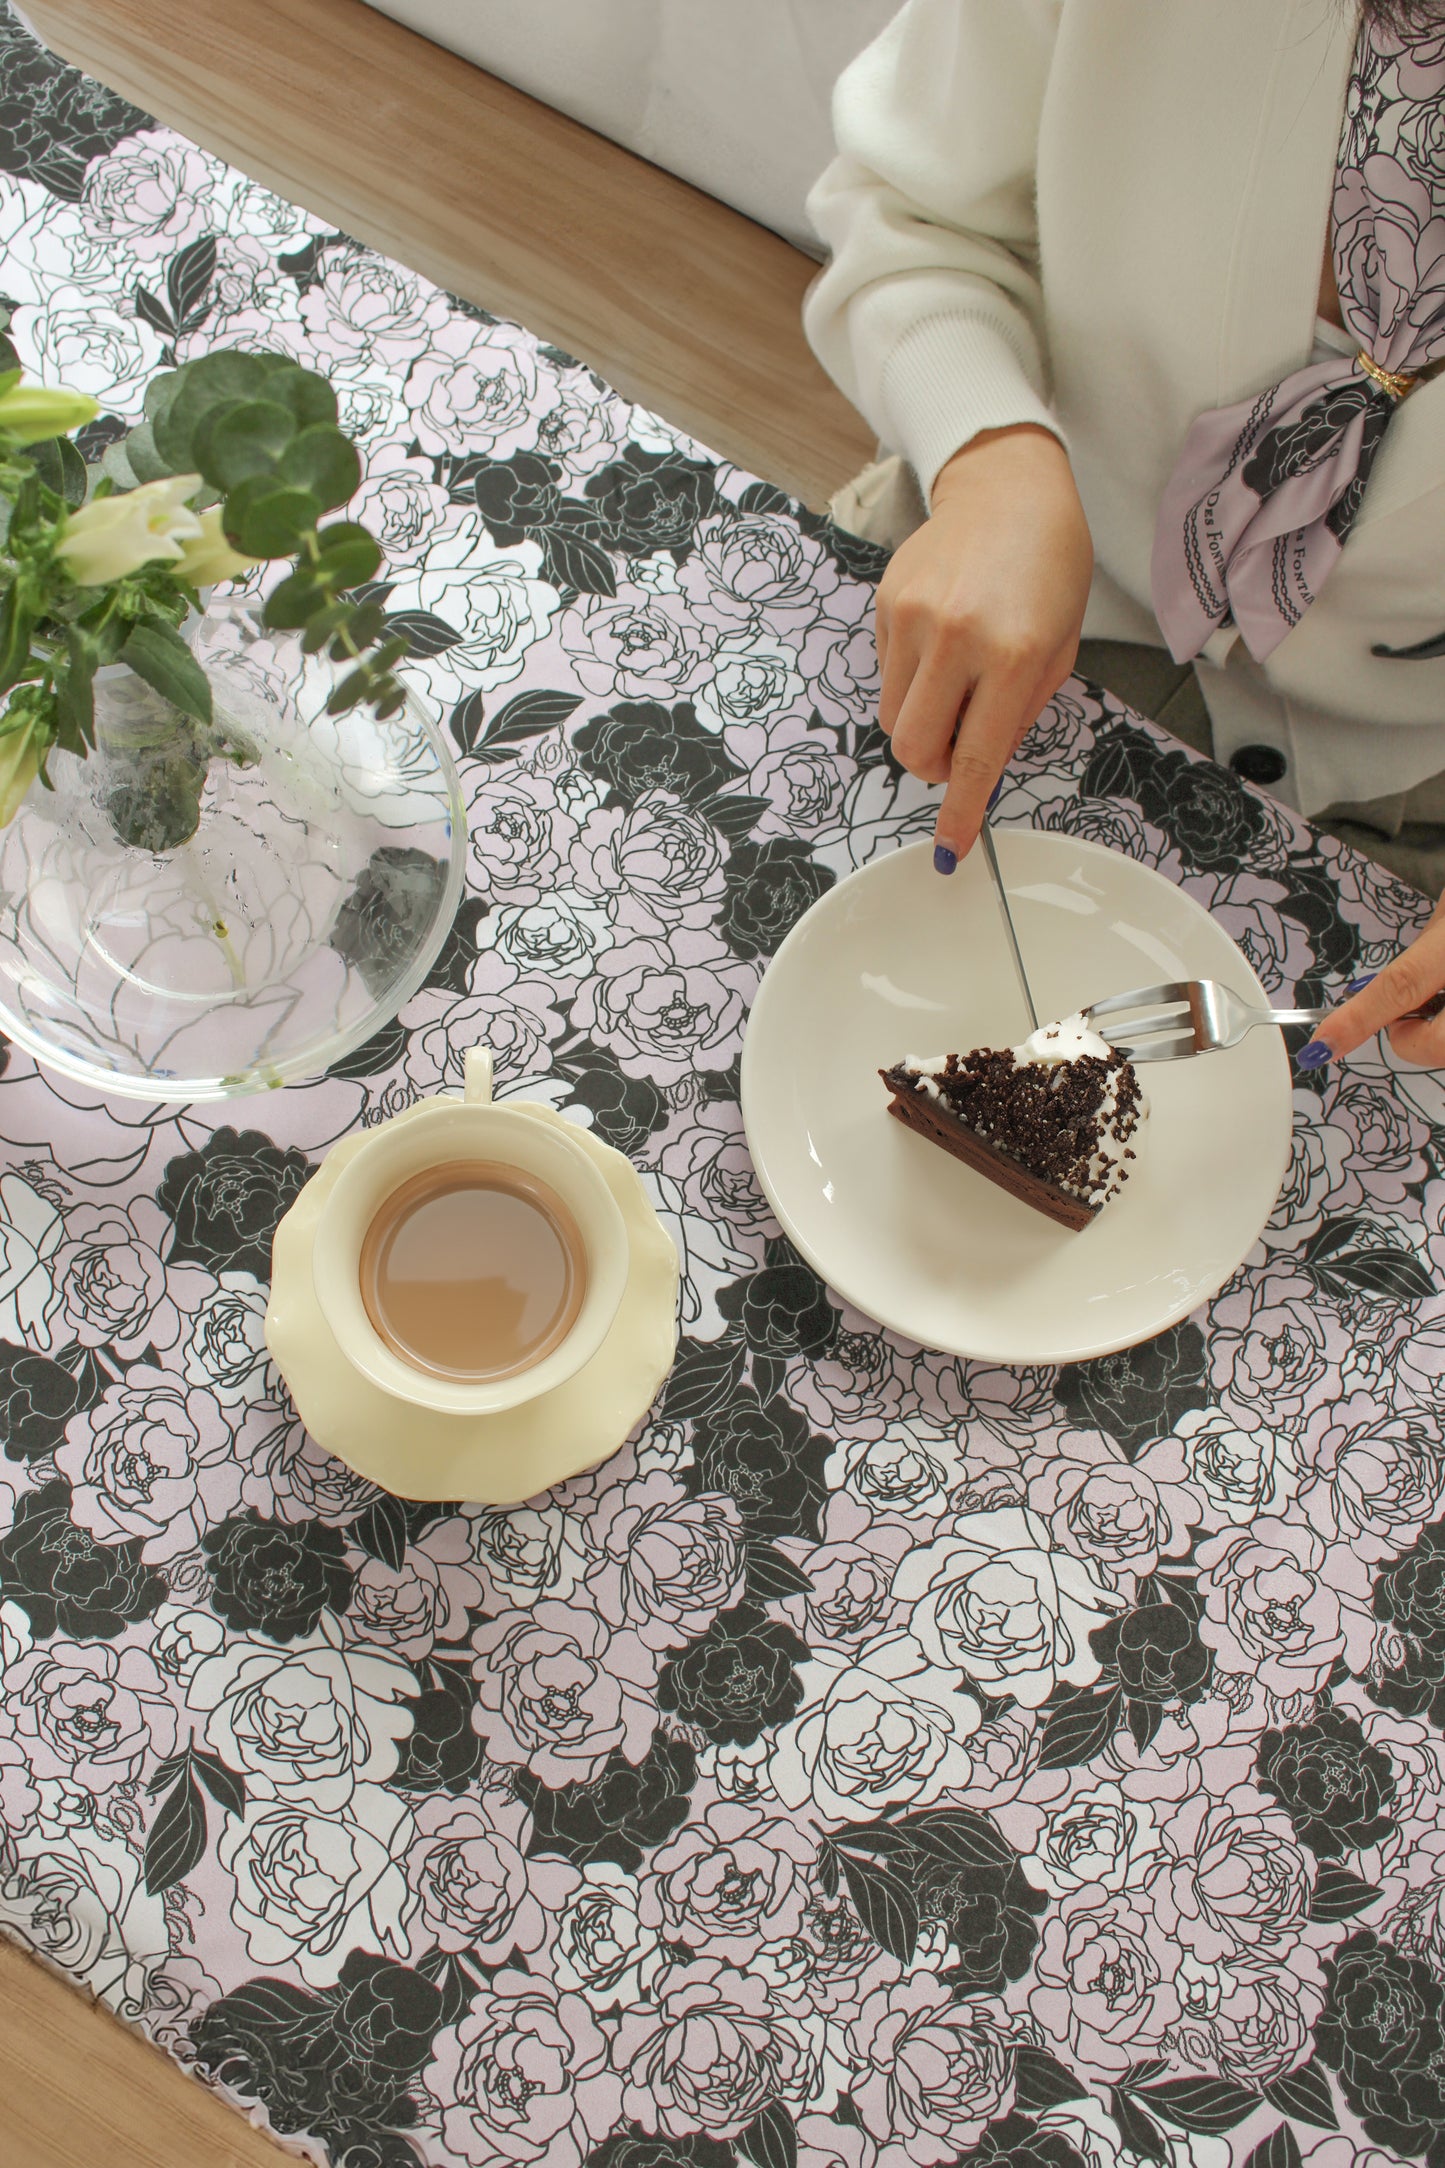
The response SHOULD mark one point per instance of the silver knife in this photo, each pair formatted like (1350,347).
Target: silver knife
(986,837)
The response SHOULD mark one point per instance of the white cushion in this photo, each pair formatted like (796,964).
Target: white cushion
(733,95)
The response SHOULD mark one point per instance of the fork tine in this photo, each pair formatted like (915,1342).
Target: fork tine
(1163,1048)
(1142,997)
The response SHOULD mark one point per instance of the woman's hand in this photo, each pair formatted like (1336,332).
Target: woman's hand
(1407,982)
(979,616)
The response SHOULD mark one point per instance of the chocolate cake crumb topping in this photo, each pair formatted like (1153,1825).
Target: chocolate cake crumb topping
(1050,1118)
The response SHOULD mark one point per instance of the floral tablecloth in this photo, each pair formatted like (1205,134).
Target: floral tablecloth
(884,1761)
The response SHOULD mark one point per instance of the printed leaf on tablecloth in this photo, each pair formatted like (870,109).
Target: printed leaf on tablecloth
(771,1576)
(1279,2150)
(1077,1729)
(1206,2106)
(176,1841)
(1339,1895)
(1040,2082)
(771,2139)
(225,1787)
(1305,2094)
(1347,1257)
(886,1906)
(1139,2131)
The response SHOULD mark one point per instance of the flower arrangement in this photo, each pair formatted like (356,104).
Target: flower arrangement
(238,461)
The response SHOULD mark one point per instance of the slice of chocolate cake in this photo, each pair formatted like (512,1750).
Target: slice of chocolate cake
(1053,1121)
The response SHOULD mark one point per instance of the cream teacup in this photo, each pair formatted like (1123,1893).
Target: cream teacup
(445,1132)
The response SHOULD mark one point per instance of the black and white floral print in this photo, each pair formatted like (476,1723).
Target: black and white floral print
(885,1761)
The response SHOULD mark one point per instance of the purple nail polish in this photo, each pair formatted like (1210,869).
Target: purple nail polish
(1313,1056)
(944,860)
(1357,986)
(997,794)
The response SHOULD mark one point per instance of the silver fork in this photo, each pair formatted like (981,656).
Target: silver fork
(1199,1016)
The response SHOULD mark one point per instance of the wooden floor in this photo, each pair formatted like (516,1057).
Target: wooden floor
(678,301)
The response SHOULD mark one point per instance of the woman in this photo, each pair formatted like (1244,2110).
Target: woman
(1150,295)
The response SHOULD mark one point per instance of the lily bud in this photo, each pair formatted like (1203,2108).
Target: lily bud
(20,750)
(29,413)
(112,536)
(209,558)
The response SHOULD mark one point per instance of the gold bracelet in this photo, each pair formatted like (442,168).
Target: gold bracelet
(1393,381)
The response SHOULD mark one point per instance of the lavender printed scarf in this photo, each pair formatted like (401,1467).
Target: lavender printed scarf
(1265,492)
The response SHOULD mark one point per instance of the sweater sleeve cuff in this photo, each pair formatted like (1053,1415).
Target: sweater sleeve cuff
(950,377)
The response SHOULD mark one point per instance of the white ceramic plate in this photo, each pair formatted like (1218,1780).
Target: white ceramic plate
(896,961)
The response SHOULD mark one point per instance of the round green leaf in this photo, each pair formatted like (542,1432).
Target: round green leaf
(322,460)
(266,519)
(233,443)
(216,380)
(349,553)
(309,396)
(294,603)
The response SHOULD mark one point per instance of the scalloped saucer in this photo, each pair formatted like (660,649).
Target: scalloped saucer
(499,1459)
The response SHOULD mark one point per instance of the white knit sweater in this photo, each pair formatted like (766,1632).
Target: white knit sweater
(1108,216)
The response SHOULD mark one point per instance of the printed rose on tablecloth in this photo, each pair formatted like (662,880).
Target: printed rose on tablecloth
(666,1011)
(273,1578)
(1234,1885)
(31,1232)
(364,309)
(625,649)
(910,1470)
(523,2077)
(733,1880)
(1121,1517)
(1096,1835)
(656,865)
(401,504)
(860,1386)
(521,837)
(64,1580)
(602,1950)
(19,1797)
(801,785)
(1335,1787)
(492,599)
(995,1605)
(227,1198)
(557,1692)
(306,1723)
(935,2071)
(410,1607)
(1269,1348)
(149,196)
(705,1153)
(111,1282)
(225,1341)
(184,1639)
(151,1463)
(471,1884)
(754,675)
(1105,1972)
(1381,2032)
(1241,1468)
(750,566)
(313,1886)
(1269,1612)
(709,2053)
(81,1901)
(878,1730)
(668,1561)
(851,1571)
(87,1713)
(1374,1480)
(527,1553)
(511,1011)
(475,387)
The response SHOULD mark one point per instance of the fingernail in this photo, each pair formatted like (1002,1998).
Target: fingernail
(997,794)
(944,860)
(1357,986)
(1313,1056)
